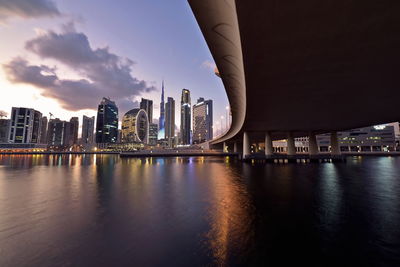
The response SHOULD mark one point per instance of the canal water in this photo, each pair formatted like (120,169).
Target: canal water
(100,210)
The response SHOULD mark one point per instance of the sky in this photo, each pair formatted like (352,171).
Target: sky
(64,56)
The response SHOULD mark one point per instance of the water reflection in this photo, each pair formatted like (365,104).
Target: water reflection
(100,210)
(231,215)
(329,200)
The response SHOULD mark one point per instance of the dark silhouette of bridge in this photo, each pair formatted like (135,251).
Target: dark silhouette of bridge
(303,67)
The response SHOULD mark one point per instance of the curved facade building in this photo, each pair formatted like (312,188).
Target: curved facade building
(135,126)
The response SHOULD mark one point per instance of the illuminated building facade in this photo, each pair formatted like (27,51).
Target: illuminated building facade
(107,122)
(202,121)
(153,134)
(25,126)
(161,121)
(185,117)
(135,127)
(170,121)
(366,139)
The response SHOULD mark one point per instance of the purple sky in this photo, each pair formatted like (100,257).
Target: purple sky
(64,56)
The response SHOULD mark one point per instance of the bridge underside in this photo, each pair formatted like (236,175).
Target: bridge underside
(308,65)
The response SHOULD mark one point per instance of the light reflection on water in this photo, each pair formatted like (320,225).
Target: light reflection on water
(100,210)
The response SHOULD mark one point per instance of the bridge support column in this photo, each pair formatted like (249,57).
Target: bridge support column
(312,144)
(235,147)
(291,148)
(269,151)
(246,145)
(335,149)
(313,147)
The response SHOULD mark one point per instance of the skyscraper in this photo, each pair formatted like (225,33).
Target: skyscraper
(202,121)
(153,134)
(170,120)
(37,127)
(185,117)
(161,121)
(107,122)
(4,130)
(59,133)
(87,130)
(74,128)
(24,126)
(135,126)
(43,131)
(147,105)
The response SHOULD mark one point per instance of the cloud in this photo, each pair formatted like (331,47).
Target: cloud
(103,73)
(126,104)
(72,94)
(27,9)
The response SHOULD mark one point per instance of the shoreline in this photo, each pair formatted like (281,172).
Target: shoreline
(194,153)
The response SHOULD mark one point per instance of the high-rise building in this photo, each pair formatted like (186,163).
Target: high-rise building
(119,138)
(25,125)
(4,130)
(153,134)
(135,127)
(147,105)
(107,122)
(161,121)
(43,130)
(74,130)
(87,130)
(37,127)
(202,121)
(170,120)
(59,133)
(185,117)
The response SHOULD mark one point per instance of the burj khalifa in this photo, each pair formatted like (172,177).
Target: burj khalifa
(161,122)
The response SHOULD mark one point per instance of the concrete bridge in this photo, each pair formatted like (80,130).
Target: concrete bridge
(303,67)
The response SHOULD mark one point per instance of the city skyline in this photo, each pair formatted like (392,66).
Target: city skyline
(37,129)
(199,133)
(148,65)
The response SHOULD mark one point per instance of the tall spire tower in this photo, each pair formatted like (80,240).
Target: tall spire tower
(161,123)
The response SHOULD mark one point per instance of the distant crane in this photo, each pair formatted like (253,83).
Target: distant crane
(51,115)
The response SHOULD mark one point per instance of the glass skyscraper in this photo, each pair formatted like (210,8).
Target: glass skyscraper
(87,129)
(74,130)
(59,133)
(147,105)
(43,130)
(107,122)
(202,121)
(170,121)
(185,117)
(161,121)
(153,134)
